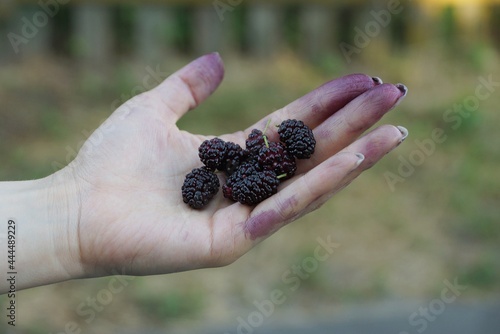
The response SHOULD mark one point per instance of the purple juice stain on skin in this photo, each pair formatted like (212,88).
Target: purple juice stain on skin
(262,224)
(208,71)
(374,151)
(334,95)
(269,221)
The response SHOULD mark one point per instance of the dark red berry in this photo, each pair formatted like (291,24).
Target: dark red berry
(235,156)
(241,173)
(298,138)
(255,141)
(199,187)
(213,153)
(255,188)
(277,159)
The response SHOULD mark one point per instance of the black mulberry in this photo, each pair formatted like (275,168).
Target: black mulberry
(235,156)
(199,187)
(213,153)
(255,141)
(276,158)
(244,171)
(298,138)
(256,187)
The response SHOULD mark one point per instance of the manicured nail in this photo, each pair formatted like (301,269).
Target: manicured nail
(404,132)
(361,158)
(377,81)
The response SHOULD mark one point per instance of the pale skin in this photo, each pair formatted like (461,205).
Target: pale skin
(118,206)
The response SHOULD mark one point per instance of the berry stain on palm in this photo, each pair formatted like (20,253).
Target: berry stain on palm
(254,173)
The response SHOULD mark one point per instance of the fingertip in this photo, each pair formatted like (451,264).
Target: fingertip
(404,132)
(391,90)
(402,88)
(404,91)
(203,75)
(188,87)
(377,144)
(341,164)
(360,81)
(214,62)
(384,98)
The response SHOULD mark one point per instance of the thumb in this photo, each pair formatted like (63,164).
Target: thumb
(188,87)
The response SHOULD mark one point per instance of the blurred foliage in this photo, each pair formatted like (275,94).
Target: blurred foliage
(482,275)
(176,304)
(448,26)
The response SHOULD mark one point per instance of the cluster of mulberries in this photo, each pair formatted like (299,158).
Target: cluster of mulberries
(254,173)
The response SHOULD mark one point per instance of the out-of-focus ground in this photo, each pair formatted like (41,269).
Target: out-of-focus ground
(405,241)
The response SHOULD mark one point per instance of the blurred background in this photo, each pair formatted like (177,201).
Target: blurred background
(417,236)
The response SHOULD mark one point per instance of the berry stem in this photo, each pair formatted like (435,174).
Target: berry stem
(267,126)
(279,177)
(265,141)
(264,133)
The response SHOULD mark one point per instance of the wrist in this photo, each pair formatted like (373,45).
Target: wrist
(45,214)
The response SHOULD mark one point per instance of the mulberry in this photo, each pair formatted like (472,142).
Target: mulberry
(199,187)
(244,171)
(235,156)
(213,153)
(256,187)
(250,184)
(298,138)
(255,141)
(276,158)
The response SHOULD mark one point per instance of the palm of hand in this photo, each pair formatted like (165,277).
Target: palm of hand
(133,219)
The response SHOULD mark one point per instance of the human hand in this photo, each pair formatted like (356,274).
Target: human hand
(127,178)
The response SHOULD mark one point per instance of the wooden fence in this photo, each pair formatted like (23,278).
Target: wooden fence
(99,31)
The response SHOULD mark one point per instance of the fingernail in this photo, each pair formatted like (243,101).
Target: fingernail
(404,132)
(361,158)
(402,88)
(377,81)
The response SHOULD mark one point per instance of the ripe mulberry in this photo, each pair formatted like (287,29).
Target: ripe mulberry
(213,153)
(199,187)
(256,187)
(298,138)
(255,141)
(235,156)
(275,157)
(244,171)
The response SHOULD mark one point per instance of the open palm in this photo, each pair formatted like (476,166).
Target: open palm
(130,172)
